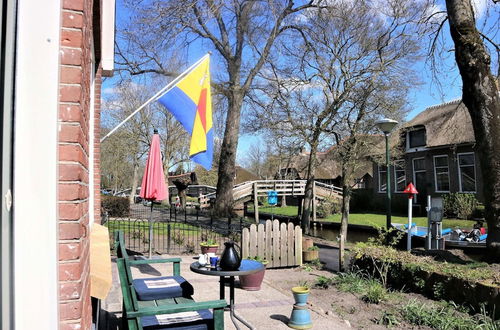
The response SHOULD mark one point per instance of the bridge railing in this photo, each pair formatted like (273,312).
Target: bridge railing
(282,187)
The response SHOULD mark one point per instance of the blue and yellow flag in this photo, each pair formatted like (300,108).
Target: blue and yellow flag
(190,102)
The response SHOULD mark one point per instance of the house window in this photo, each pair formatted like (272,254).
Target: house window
(467,172)
(416,138)
(399,175)
(382,178)
(441,173)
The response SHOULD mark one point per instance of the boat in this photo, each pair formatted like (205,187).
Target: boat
(452,239)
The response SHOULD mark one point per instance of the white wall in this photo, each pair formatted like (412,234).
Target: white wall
(35,165)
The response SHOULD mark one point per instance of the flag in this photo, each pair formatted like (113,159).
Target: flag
(190,102)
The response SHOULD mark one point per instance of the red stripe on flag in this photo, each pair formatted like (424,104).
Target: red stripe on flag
(202,108)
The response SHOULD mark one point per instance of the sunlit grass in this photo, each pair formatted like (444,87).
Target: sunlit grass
(371,219)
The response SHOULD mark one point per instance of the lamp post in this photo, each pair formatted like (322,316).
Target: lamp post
(386,125)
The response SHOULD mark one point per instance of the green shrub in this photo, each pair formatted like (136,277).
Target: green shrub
(365,200)
(459,205)
(324,282)
(351,282)
(375,292)
(116,206)
(388,319)
(444,316)
(328,207)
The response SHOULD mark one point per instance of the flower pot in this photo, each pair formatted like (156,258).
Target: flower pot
(209,249)
(253,281)
(301,316)
(310,255)
(300,294)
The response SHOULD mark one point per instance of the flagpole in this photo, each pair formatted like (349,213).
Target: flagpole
(165,89)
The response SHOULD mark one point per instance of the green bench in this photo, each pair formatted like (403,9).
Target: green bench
(154,310)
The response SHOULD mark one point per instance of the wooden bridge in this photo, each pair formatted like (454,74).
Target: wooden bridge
(252,190)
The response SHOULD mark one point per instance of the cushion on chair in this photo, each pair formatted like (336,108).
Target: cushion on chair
(162,287)
(198,320)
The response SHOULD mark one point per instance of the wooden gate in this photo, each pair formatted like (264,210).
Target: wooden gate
(279,244)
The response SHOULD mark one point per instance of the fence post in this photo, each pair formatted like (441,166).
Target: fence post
(314,201)
(197,214)
(168,238)
(241,229)
(175,213)
(229,225)
(255,203)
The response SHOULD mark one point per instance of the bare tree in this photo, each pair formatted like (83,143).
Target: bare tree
(345,49)
(480,93)
(132,141)
(241,34)
(255,159)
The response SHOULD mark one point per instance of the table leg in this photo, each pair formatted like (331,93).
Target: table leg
(222,287)
(232,312)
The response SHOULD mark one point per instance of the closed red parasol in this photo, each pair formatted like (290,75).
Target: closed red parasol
(153,182)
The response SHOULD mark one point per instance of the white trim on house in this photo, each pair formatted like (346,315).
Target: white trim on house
(396,177)
(413,172)
(460,172)
(108,37)
(419,148)
(36,165)
(379,185)
(435,173)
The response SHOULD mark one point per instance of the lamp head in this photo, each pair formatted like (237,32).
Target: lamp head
(386,125)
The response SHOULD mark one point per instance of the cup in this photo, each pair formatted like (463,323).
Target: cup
(213,261)
(211,254)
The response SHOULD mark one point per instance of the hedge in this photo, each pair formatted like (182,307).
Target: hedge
(116,206)
(472,283)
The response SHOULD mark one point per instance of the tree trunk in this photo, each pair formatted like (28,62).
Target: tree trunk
(283,201)
(481,96)
(227,169)
(135,178)
(308,194)
(346,199)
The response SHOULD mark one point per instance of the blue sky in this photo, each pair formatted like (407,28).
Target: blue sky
(423,96)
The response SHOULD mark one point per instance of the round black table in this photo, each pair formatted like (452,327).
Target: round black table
(247,267)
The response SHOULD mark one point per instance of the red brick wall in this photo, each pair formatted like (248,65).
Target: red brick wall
(75,185)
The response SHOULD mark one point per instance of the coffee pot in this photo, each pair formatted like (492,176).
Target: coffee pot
(203,259)
(230,259)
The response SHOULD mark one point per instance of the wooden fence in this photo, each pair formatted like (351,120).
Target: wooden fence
(279,244)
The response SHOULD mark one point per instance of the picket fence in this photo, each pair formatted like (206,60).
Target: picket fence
(279,244)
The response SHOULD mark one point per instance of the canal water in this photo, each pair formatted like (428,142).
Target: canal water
(331,232)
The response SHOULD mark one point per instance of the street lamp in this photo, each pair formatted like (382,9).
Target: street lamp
(386,125)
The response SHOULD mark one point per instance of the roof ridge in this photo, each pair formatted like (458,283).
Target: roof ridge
(459,100)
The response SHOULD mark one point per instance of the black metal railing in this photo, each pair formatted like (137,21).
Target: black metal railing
(175,231)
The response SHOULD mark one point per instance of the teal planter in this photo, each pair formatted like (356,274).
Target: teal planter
(301,316)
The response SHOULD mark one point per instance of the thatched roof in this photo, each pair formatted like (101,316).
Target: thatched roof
(445,124)
(329,166)
(244,175)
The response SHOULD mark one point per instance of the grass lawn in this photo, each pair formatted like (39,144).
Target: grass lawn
(372,219)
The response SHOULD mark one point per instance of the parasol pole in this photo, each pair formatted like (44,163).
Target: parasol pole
(150,229)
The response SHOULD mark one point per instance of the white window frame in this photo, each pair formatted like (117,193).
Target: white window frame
(396,177)
(414,176)
(419,148)
(435,173)
(460,172)
(379,185)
